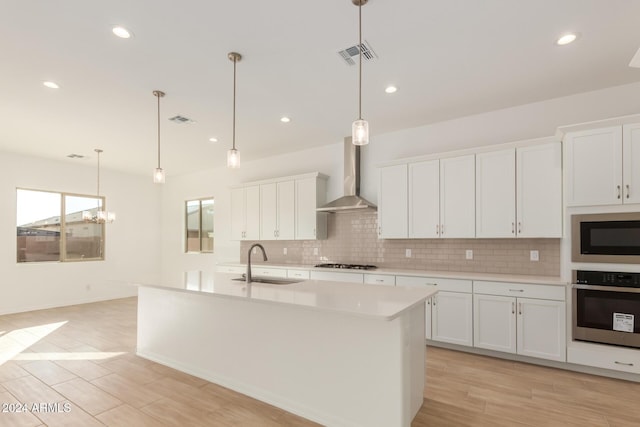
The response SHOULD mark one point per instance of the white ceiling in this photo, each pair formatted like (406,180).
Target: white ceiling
(449,58)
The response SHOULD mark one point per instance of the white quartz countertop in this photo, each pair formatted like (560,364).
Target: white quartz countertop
(380,302)
(493,277)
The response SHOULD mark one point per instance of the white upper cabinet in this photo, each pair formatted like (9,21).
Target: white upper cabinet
(392,202)
(519,192)
(310,194)
(631,163)
(277,211)
(457,197)
(245,213)
(594,167)
(281,208)
(496,193)
(424,199)
(539,190)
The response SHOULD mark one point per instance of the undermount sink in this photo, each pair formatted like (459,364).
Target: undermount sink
(272,281)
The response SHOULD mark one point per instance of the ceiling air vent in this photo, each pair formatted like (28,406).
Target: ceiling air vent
(181,119)
(75,156)
(352,52)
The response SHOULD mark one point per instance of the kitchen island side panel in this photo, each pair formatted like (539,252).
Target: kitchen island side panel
(333,368)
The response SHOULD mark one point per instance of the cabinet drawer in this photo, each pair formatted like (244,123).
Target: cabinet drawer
(338,276)
(233,269)
(414,281)
(380,279)
(520,290)
(617,359)
(256,270)
(298,274)
(453,285)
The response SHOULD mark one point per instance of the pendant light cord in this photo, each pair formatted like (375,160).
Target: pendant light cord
(360,61)
(158,96)
(234,104)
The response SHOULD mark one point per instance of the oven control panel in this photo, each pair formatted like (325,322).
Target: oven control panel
(606,278)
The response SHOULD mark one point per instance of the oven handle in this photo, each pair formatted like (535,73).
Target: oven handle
(607,288)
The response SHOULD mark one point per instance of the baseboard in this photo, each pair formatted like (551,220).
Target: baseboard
(65,303)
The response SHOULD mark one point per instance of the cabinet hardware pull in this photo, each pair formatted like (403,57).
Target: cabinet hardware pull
(513,227)
(379,280)
(516,290)
(520,308)
(513,308)
(519,227)
(618,187)
(379,231)
(434,300)
(428,301)
(627,190)
(441,229)
(437,230)
(622,363)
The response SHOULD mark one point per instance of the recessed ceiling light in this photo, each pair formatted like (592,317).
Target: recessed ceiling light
(285,119)
(391,89)
(566,39)
(213,139)
(121,32)
(51,85)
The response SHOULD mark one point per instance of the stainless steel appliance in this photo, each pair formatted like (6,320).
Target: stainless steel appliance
(347,266)
(606,307)
(611,238)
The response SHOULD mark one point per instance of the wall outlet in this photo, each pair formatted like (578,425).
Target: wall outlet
(468,254)
(315,251)
(407,253)
(284,251)
(534,256)
(88,287)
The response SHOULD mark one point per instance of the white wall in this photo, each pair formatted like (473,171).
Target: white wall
(513,124)
(132,249)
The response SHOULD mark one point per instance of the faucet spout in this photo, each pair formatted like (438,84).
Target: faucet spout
(264,257)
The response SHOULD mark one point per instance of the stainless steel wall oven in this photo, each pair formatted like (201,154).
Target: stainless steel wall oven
(606,307)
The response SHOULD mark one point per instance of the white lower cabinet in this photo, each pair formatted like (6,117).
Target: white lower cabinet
(605,356)
(380,279)
(451,317)
(414,281)
(337,276)
(532,327)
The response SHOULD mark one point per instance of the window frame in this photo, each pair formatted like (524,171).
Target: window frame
(63,227)
(186,226)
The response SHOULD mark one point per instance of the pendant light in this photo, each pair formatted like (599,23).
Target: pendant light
(360,127)
(158,173)
(233,155)
(101,216)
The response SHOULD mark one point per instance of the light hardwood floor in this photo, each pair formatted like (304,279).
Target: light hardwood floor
(84,356)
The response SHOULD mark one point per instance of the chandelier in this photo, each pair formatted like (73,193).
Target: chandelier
(99,215)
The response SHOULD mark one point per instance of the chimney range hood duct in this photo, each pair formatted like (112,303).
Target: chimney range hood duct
(351,200)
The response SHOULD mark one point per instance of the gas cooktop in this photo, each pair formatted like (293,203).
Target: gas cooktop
(348,266)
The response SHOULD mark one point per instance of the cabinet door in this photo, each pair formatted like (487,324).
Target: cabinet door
(424,199)
(452,318)
(286,210)
(594,167)
(457,197)
(631,165)
(539,190)
(427,318)
(306,215)
(237,214)
(252,212)
(268,211)
(392,202)
(494,322)
(541,329)
(496,194)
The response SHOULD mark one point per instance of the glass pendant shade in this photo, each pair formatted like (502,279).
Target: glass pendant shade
(158,176)
(360,132)
(233,158)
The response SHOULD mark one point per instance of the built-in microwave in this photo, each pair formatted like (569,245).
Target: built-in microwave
(610,237)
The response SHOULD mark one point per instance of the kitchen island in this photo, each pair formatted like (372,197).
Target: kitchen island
(340,354)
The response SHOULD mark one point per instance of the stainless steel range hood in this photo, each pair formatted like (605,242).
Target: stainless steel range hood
(351,200)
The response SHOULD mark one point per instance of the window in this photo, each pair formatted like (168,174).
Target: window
(199,225)
(44,234)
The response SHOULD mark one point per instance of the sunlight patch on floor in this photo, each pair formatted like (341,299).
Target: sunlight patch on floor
(16,341)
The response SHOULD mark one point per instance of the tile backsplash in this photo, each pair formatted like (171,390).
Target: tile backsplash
(352,238)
